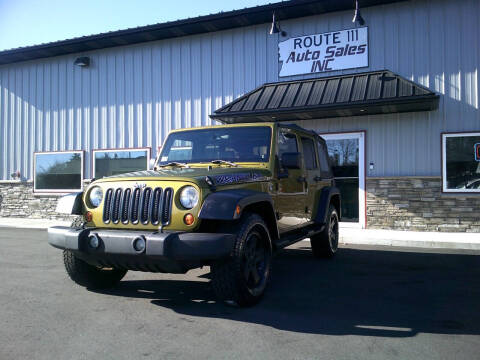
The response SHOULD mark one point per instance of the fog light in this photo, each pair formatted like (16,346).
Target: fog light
(93,241)
(139,244)
(88,216)
(188,219)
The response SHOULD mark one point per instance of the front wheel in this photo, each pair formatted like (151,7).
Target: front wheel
(90,276)
(325,244)
(242,278)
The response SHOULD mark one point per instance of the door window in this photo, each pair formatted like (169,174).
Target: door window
(323,158)
(287,142)
(309,153)
(344,156)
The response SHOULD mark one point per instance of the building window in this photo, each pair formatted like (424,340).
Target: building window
(119,161)
(58,171)
(461,162)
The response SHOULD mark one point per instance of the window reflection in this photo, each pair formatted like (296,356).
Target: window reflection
(344,157)
(344,154)
(462,162)
(58,171)
(237,144)
(114,162)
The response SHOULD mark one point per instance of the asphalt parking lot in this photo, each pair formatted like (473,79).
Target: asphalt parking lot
(368,303)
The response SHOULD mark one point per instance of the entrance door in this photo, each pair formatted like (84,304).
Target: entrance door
(347,154)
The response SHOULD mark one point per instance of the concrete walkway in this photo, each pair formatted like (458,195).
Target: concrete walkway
(438,240)
(422,239)
(31,223)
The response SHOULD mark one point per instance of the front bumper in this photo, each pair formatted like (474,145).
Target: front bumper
(175,252)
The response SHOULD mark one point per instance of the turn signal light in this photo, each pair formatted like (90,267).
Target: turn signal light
(88,216)
(188,219)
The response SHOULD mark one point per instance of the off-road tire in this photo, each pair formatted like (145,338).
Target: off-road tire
(325,244)
(233,279)
(90,276)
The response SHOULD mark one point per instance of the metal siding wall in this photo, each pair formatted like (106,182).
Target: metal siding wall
(133,96)
(434,43)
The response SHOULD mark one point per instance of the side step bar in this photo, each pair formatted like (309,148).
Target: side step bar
(292,237)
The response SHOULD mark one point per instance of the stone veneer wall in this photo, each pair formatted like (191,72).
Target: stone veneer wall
(17,200)
(400,203)
(417,203)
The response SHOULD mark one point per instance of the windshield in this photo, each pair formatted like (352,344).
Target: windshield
(236,144)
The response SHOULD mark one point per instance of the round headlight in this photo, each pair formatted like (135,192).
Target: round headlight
(95,196)
(189,197)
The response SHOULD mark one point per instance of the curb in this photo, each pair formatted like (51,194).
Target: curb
(416,239)
(413,243)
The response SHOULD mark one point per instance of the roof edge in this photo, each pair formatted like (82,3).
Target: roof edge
(184,27)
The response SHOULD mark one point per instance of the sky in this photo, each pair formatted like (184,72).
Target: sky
(32,22)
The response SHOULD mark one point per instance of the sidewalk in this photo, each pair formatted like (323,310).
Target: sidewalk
(25,223)
(422,239)
(438,240)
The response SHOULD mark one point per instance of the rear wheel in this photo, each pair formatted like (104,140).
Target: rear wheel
(243,277)
(88,275)
(325,244)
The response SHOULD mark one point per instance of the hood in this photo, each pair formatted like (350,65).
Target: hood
(218,175)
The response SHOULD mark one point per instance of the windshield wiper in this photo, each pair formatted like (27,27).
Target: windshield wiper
(225,162)
(174,163)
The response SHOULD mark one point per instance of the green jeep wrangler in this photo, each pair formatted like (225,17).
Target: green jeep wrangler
(225,196)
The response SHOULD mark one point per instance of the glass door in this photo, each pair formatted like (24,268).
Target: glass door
(347,155)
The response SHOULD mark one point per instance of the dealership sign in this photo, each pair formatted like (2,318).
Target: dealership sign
(336,50)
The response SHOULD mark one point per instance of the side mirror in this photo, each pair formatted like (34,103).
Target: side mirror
(291,160)
(151,164)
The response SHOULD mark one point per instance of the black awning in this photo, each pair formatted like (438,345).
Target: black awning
(377,92)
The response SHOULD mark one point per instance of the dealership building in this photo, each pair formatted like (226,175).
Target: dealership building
(394,94)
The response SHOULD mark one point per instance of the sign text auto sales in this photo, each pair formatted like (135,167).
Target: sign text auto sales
(336,50)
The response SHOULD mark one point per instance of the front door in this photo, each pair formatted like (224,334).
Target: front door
(291,189)
(347,155)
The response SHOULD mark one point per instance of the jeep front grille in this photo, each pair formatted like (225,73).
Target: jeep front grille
(135,206)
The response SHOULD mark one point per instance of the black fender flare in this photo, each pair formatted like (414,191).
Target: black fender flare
(222,205)
(324,202)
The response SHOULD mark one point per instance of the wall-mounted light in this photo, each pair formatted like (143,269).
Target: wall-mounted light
(275,29)
(16,175)
(357,18)
(83,61)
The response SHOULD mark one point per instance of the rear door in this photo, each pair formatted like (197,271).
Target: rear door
(326,174)
(312,178)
